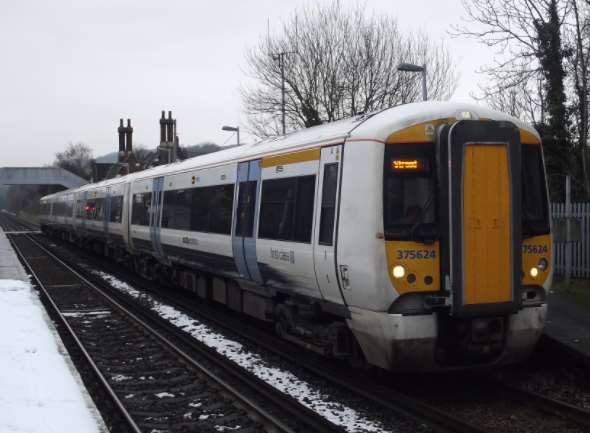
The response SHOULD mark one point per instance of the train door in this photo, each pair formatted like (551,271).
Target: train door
(326,215)
(107,212)
(246,221)
(481,209)
(77,205)
(84,213)
(126,214)
(156,213)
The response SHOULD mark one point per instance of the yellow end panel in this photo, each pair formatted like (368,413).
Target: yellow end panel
(420,133)
(487,259)
(291,158)
(527,137)
(421,260)
(533,250)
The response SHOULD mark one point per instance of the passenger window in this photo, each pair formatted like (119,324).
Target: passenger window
(286,209)
(99,209)
(328,212)
(68,208)
(90,210)
(176,212)
(116,209)
(207,209)
(220,209)
(200,210)
(140,213)
(245,213)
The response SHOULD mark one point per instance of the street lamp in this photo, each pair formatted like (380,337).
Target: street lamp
(409,67)
(235,129)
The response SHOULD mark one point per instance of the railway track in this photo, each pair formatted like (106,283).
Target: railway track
(11,224)
(392,398)
(385,398)
(154,381)
(499,406)
(550,405)
(389,401)
(433,412)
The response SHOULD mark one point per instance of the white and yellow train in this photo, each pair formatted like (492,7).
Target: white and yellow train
(414,238)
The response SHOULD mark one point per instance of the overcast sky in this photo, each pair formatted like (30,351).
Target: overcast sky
(71,69)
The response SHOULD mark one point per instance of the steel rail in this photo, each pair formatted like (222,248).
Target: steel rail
(6,223)
(559,408)
(410,406)
(11,223)
(304,414)
(105,385)
(388,398)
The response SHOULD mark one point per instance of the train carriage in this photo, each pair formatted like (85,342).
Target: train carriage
(415,238)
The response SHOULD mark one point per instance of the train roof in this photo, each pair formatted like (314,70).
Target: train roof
(374,126)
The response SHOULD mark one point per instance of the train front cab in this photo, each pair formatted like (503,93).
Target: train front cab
(468,244)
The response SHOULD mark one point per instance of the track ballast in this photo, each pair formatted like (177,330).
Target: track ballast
(154,384)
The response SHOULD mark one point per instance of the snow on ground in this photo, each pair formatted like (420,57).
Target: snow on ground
(304,392)
(40,390)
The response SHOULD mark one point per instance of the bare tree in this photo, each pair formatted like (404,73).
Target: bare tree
(528,68)
(578,67)
(77,158)
(524,100)
(511,28)
(337,63)
(144,155)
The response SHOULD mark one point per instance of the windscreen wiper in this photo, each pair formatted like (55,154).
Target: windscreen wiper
(423,212)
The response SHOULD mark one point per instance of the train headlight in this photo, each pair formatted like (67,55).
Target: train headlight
(398,271)
(534,272)
(543,264)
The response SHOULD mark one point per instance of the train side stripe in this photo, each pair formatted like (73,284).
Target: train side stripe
(292,157)
(424,132)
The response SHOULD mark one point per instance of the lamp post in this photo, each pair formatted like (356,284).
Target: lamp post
(409,67)
(235,129)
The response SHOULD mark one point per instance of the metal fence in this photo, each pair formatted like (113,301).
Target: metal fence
(581,247)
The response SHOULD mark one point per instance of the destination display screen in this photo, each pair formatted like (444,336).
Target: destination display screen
(413,165)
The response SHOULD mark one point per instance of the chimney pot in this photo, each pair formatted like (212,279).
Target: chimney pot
(120,130)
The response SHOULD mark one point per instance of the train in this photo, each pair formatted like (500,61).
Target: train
(415,238)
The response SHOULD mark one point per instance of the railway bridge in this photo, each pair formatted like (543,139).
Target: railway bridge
(39,176)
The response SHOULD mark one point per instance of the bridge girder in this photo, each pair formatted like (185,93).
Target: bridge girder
(40,176)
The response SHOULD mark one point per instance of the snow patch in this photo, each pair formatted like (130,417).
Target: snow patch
(98,313)
(14,285)
(287,382)
(120,377)
(40,391)
(226,428)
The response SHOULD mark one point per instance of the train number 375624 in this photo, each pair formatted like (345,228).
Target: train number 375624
(415,254)
(534,249)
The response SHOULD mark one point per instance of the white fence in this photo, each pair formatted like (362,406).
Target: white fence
(581,248)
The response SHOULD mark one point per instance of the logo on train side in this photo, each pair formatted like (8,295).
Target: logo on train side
(282,255)
(187,240)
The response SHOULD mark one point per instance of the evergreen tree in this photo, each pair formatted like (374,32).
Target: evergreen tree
(555,130)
